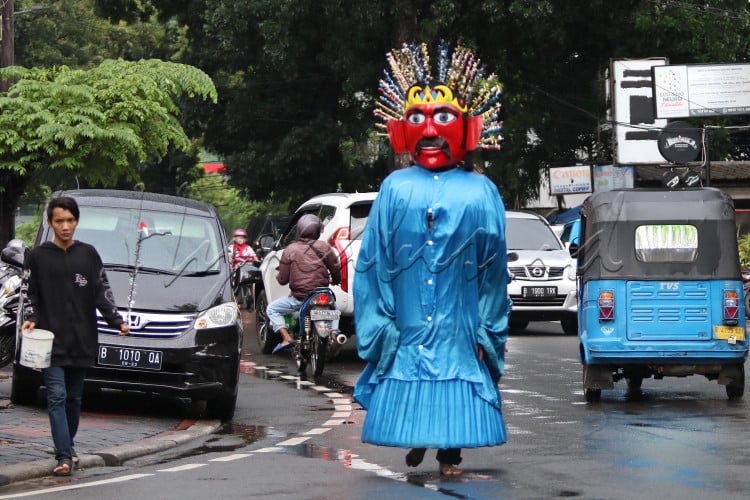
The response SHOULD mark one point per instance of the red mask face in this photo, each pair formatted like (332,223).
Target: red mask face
(434,135)
(434,130)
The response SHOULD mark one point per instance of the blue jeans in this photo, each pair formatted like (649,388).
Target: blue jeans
(279,308)
(64,392)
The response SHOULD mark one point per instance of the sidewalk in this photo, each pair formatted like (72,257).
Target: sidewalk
(103,438)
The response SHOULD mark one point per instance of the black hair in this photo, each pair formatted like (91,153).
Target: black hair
(64,202)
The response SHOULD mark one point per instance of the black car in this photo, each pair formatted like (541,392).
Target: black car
(168,268)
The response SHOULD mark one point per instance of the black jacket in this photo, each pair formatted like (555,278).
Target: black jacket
(63,289)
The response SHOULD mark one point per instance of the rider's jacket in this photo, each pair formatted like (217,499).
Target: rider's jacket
(305,265)
(239,254)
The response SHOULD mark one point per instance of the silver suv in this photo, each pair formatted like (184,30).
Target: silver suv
(344,216)
(544,274)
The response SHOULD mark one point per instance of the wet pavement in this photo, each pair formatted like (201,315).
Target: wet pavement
(104,437)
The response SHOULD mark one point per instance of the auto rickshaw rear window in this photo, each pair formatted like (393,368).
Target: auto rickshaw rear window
(655,243)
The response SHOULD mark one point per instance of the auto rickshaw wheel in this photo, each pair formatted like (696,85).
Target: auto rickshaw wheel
(592,395)
(736,388)
(634,383)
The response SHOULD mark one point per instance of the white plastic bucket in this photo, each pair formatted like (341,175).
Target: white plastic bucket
(36,348)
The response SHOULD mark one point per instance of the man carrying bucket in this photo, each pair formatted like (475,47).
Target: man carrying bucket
(64,283)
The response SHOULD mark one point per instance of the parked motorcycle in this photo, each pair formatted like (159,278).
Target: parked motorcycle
(10,292)
(244,279)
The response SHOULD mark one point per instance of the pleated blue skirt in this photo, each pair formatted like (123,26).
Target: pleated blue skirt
(431,414)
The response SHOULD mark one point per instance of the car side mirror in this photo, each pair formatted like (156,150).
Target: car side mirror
(573,249)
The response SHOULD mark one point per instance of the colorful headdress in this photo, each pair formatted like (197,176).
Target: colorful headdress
(460,72)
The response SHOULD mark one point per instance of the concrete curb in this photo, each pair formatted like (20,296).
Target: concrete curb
(111,456)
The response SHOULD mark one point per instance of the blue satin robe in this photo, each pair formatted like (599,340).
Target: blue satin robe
(424,298)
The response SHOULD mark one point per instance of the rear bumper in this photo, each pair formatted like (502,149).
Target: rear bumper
(617,352)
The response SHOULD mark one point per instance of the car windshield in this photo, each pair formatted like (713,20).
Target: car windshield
(170,242)
(529,234)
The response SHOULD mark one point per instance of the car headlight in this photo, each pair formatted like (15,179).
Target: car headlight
(573,270)
(217,317)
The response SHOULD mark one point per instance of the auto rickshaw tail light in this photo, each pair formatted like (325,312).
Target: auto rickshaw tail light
(731,307)
(606,306)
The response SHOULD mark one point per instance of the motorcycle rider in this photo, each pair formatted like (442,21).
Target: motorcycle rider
(239,250)
(305,265)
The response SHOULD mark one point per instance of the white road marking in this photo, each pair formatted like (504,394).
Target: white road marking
(334,422)
(270,449)
(316,431)
(181,468)
(341,414)
(333,395)
(76,486)
(342,401)
(229,458)
(293,441)
(342,407)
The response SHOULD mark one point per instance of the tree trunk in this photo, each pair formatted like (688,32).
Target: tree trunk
(11,191)
(7,49)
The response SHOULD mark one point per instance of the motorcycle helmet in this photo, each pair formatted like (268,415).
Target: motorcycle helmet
(309,226)
(240,232)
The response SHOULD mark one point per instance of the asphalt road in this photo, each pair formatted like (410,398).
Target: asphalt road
(681,438)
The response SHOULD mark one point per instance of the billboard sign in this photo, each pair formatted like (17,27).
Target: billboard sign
(701,90)
(636,126)
(570,180)
(609,177)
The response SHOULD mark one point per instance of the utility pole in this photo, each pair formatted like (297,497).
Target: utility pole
(7,36)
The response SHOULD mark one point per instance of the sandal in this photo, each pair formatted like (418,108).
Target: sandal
(64,467)
(450,470)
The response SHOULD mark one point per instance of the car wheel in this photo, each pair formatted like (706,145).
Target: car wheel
(736,388)
(22,391)
(747,304)
(518,324)
(7,347)
(267,339)
(570,325)
(222,407)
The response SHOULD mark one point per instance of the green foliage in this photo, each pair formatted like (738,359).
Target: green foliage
(744,249)
(235,211)
(93,124)
(27,230)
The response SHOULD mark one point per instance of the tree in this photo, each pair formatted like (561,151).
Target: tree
(94,124)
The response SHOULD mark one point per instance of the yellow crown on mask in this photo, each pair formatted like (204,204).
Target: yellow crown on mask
(432,95)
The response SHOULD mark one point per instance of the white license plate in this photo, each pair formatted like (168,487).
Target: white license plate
(130,358)
(324,314)
(538,291)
